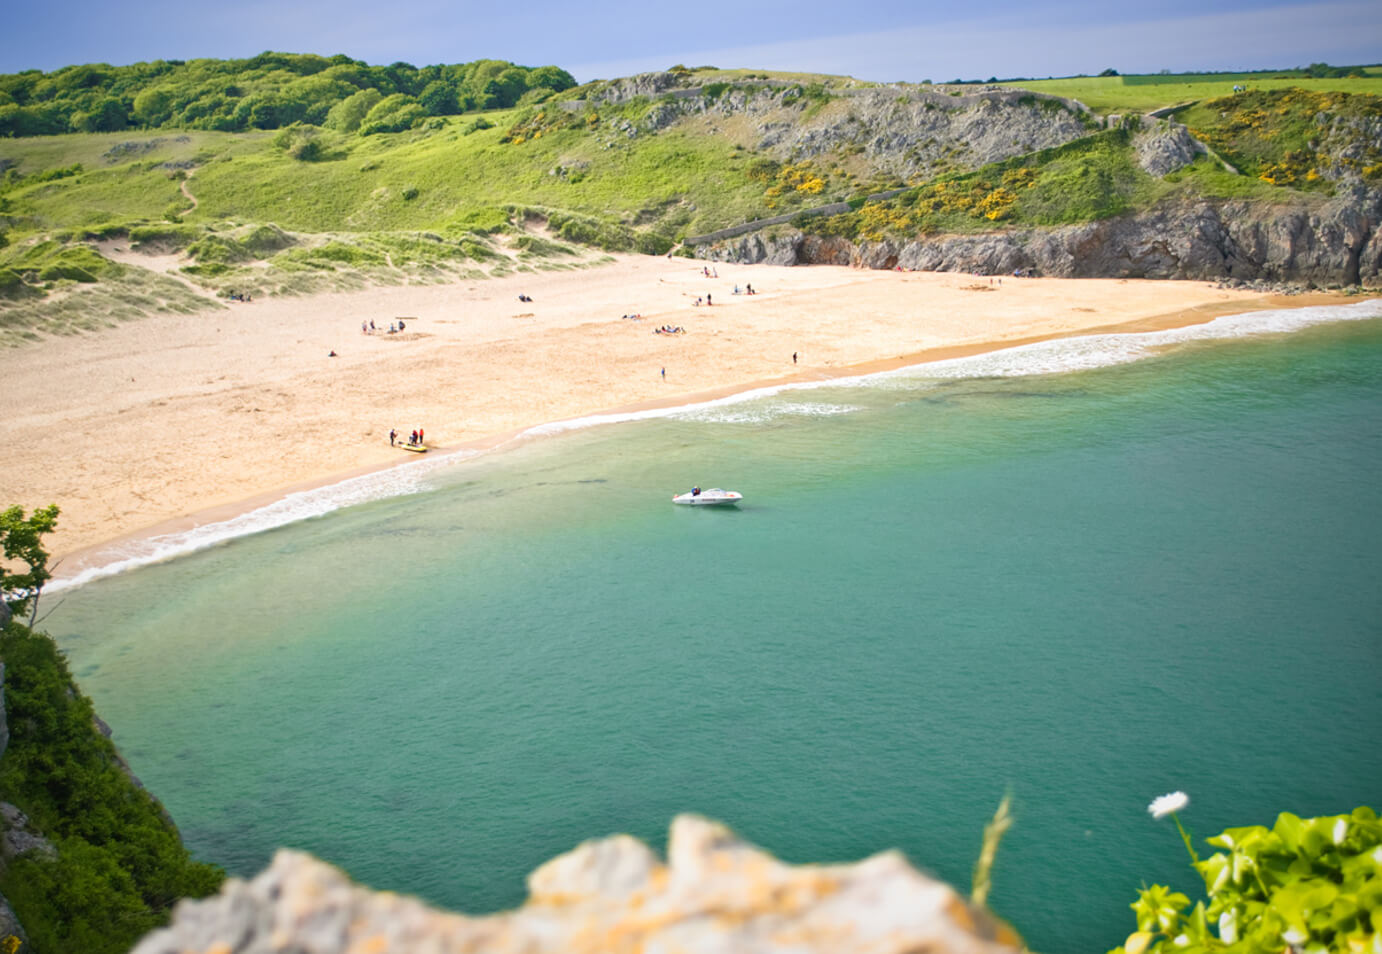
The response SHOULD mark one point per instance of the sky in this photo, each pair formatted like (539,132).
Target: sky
(889,40)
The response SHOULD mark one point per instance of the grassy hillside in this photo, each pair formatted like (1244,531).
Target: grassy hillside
(1146,92)
(636,164)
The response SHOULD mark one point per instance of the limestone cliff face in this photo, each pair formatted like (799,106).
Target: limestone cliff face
(902,131)
(1333,242)
(714,893)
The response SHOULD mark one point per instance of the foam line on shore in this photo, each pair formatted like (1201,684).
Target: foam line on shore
(291,508)
(1054,356)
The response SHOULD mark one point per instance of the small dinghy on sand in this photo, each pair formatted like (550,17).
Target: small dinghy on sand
(708,498)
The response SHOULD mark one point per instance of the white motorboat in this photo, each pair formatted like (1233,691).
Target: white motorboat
(708,498)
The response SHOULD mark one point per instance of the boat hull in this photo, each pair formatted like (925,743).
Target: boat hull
(709,498)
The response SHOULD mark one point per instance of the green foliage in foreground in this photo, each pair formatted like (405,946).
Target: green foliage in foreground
(1303,885)
(21,541)
(120,864)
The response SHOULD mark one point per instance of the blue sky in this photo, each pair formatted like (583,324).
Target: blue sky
(885,40)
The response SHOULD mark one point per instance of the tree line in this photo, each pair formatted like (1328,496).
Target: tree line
(268,91)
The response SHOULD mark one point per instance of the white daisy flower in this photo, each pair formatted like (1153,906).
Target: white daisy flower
(1166,804)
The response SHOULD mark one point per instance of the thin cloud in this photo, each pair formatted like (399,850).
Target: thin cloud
(1263,38)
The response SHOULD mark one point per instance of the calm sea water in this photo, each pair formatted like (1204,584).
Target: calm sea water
(1087,586)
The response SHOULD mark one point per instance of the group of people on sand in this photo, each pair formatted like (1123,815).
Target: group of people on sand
(367,327)
(631,317)
(669,330)
(709,272)
(236,296)
(748,290)
(707,301)
(415,438)
(525,298)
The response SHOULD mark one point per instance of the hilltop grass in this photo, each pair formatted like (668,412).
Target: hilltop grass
(1144,93)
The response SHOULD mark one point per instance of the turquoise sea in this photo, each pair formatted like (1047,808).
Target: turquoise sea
(1087,572)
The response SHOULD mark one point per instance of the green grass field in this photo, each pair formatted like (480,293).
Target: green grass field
(1142,94)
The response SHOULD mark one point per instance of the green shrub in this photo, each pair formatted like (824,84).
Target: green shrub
(220,250)
(120,864)
(172,236)
(77,263)
(392,114)
(540,247)
(1310,884)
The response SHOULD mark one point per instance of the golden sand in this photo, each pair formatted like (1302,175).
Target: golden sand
(172,421)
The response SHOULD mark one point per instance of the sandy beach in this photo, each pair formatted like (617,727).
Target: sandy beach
(173,421)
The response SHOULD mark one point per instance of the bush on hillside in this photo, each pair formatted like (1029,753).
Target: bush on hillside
(392,114)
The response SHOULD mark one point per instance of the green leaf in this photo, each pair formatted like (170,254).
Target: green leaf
(1290,829)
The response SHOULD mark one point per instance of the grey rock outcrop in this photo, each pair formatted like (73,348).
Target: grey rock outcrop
(1163,147)
(17,836)
(11,928)
(903,130)
(1335,242)
(714,893)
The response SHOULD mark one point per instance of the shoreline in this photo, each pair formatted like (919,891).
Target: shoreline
(89,560)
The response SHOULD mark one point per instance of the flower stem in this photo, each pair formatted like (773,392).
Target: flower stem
(1185,837)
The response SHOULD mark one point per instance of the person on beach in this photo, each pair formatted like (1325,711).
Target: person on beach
(393,436)
(412,438)
(371,326)
(707,299)
(420,437)
(794,357)
(664,374)
(364,328)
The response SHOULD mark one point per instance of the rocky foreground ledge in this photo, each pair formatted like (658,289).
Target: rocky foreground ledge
(715,893)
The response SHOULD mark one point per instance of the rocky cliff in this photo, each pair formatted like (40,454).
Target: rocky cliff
(1324,243)
(715,893)
(903,131)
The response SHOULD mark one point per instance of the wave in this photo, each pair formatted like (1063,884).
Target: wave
(303,505)
(1057,356)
